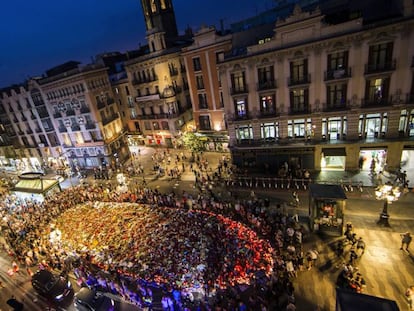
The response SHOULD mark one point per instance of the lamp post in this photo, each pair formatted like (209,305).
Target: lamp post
(388,194)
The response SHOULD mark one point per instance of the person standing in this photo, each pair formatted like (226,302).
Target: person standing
(406,240)
(409,293)
(360,245)
(311,257)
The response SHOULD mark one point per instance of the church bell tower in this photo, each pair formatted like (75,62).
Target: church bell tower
(160,23)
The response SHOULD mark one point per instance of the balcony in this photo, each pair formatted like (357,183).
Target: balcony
(380,67)
(239,90)
(147,97)
(75,128)
(266,85)
(269,113)
(173,72)
(109,119)
(156,116)
(299,110)
(70,113)
(85,109)
(49,129)
(375,102)
(337,74)
(337,106)
(90,126)
(240,117)
(100,104)
(62,129)
(44,114)
(57,115)
(202,106)
(145,80)
(294,81)
(110,101)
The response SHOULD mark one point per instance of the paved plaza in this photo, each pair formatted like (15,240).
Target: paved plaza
(388,271)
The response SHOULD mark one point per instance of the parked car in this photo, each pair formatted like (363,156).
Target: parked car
(52,286)
(92,300)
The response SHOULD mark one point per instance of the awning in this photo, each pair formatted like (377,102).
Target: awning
(332,152)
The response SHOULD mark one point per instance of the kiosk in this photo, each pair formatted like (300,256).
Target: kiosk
(326,208)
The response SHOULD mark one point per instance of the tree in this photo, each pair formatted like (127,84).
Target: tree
(193,142)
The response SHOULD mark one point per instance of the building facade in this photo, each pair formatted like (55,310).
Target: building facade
(204,83)
(66,119)
(323,96)
(158,99)
(329,87)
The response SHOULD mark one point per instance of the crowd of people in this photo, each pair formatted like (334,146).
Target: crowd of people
(135,242)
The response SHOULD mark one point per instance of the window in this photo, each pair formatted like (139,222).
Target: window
(380,56)
(298,128)
(147,125)
(221,103)
(299,71)
(204,123)
(199,82)
(196,64)
(402,125)
(376,91)
(338,61)
(372,125)
(334,128)
(202,101)
(241,108)
(411,124)
(265,75)
(336,95)
(269,130)
(238,82)
(134,114)
(263,41)
(164,125)
(267,105)
(47,125)
(299,100)
(155,126)
(244,132)
(219,56)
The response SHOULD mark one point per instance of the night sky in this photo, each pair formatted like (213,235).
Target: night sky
(38,35)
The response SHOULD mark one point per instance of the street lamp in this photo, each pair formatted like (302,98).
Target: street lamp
(388,194)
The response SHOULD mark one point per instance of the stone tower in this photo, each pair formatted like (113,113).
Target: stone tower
(160,23)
